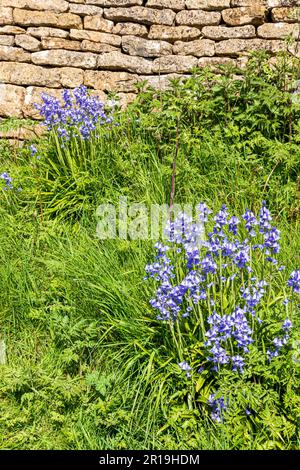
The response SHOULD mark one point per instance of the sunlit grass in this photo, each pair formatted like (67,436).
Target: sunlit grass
(88,365)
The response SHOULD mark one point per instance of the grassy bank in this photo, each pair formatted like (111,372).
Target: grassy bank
(89,366)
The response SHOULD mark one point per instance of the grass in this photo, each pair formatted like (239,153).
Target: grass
(77,326)
(88,365)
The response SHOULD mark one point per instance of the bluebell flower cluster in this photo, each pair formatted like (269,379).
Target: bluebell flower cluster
(264,219)
(253,294)
(294,281)
(202,257)
(233,224)
(78,115)
(204,268)
(186,368)
(34,151)
(250,222)
(8,181)
(271,241)
(223,331)
(203,212)
(220,220)
(280,341)
(218,406)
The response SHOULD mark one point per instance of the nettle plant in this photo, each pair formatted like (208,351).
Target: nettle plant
(230,307)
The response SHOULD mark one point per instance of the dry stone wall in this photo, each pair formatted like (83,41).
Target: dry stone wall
(111,45)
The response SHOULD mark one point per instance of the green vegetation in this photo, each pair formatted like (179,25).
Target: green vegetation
(88,364)
(14,124)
